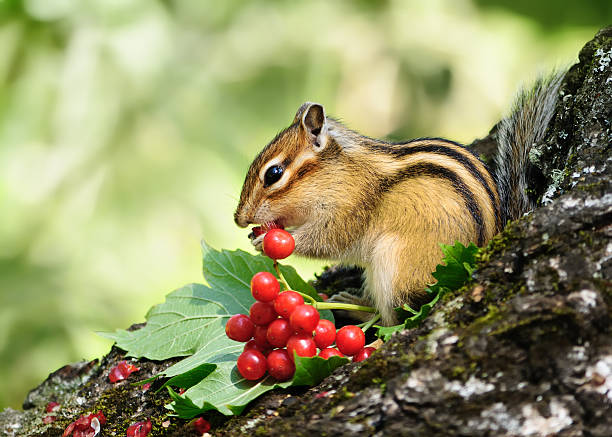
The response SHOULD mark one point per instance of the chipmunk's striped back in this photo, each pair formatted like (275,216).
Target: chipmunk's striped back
(384,206)
(455,164)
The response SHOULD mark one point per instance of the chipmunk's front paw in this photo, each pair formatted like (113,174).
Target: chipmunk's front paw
(346,297)
(257,241)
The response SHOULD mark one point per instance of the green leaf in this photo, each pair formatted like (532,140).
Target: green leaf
(385,332)
(191,322)
(191,318)
(453,274)
(311,371)
(226,391)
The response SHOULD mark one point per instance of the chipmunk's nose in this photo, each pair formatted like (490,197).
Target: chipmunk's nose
(241,219)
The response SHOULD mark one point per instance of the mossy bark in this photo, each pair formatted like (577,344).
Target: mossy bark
(525,349)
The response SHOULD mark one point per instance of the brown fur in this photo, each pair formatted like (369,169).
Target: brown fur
(362,201)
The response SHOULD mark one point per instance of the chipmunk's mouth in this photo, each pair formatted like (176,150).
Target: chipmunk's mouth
(256,231)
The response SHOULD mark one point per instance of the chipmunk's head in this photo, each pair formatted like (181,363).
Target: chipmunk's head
(280,186)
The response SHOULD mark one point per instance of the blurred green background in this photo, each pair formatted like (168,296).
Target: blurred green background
(126,128)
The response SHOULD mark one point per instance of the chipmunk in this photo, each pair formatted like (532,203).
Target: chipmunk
(387,206)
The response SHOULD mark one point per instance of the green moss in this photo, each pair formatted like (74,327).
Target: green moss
(457,371)
(346,394)
(592,187)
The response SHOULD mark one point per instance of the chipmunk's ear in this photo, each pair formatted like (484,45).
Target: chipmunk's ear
(313,122)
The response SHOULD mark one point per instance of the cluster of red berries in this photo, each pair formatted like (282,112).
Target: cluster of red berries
(280,324)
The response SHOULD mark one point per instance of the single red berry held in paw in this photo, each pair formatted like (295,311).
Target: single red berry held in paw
(278,244)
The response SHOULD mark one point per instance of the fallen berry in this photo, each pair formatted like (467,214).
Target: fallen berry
(139,429)
(49,419)
(278,244)
(52,407)
(239,328)
(85,426)
(121,371)
(201,425)
(363,354)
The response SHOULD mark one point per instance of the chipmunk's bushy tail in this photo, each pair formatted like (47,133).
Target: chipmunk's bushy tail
(525,126)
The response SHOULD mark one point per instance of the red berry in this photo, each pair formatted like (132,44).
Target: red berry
(252,364)
(330,352)
(261,339)
(139,429)
(201,425)
(280,366)
(286,302)
(363,354)
(252,344)
(264,286)
(278,244)
(350,339)
(302,344)
(279,332)
(304,319)
(121,371)
(52,407)
(262,313)
(325,334)
(323,296)
(239,327)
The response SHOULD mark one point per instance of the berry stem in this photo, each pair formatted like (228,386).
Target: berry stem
(367,325)
(342,306)
(280,276)
(312,300)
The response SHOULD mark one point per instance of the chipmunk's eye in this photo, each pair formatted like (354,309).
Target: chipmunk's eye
(273,174)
